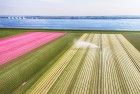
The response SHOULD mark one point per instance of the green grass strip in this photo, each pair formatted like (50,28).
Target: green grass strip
(10,32)
(134,38)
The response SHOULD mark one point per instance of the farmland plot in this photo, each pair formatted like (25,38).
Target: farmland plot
(19,71)
(60,63)
(110,68)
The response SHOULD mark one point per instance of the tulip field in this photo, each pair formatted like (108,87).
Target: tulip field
(68,63)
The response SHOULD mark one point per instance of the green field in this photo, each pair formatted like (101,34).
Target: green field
(10,32)
(134,38)
(62,67)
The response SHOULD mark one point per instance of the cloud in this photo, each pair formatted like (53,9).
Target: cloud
(52,1)
(70,7)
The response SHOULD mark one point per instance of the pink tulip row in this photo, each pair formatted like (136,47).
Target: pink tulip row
(13,47)
(18,37)
(19,41)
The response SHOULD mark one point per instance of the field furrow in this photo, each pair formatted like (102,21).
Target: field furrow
(131,50)
(66,78)
(129,73)
(83,81)
(49,78)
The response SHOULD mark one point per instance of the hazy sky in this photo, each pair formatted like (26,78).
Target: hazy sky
(70,7)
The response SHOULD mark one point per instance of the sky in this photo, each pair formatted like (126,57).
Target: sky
(70,7)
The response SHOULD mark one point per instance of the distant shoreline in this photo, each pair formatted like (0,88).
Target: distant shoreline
(70,17)
(73,31)
(72,23)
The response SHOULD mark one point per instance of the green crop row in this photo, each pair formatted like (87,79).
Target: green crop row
(10,32)
(29,67)
(113,68)
(45,83)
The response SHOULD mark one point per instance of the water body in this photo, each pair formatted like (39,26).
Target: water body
(81,24)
